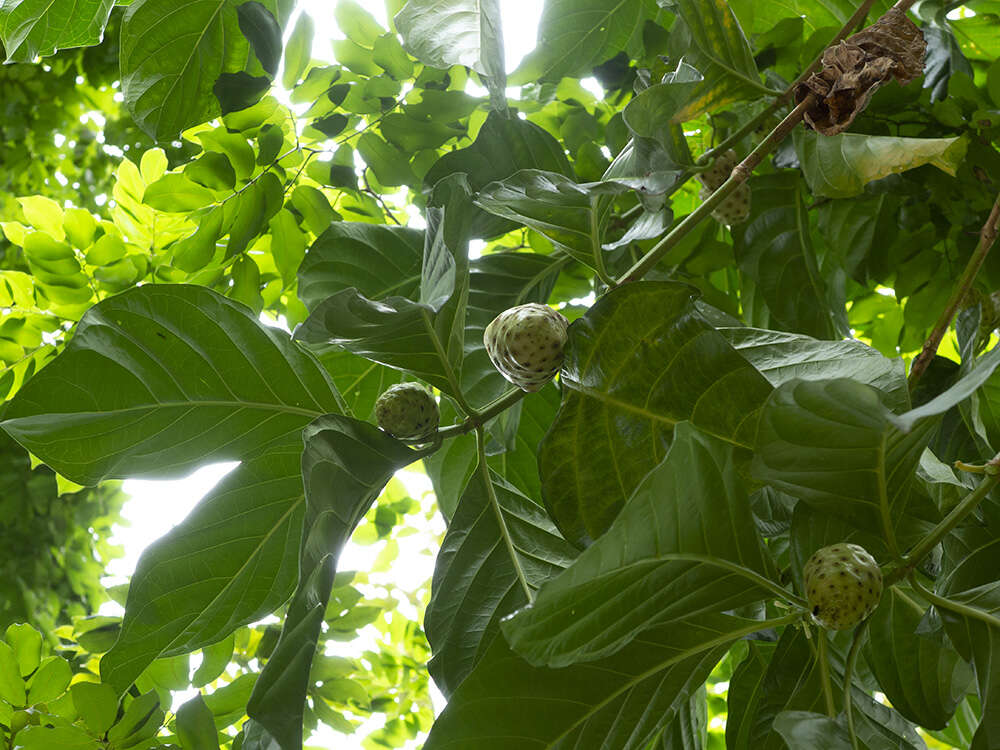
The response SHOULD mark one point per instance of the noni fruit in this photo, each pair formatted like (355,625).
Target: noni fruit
(407,411)
(736,207)
(843,585)
(525,344)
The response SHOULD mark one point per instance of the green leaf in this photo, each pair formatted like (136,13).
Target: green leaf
(194,252)
(298,51)
(840,166)
(314,207)
(923,679)
(621,701)
(171,58)
(390,165)
(442,33)
(176,193)
(570,214)
(196,726)
(513,548)
(143,718)
(423,337)
(502,147)
(97,705)
(39,28)
(288,245)
(254,207)
(781,357)
(640,361)
(775,250)
(11,685)
(345,465)
(710,39)
(215,659)
(689,730)
(359,380)
(27,645)
(357,23)
(378,260)
(46,738)
(684,545)
(835,445)
(246,532)
(575,36)
(262,30)
(163,356)
(803,730)
(649,113)
(389,55)
(50,681)
(213,170)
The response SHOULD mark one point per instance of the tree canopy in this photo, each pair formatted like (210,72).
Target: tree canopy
(768,227)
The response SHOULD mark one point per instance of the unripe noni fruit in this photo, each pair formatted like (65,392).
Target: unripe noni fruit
(525,344)
(407,411)
(843,585)
(736,207)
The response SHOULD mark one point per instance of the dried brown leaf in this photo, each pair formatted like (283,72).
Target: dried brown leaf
(892,47)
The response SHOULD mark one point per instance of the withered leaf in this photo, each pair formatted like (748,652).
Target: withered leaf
(892,47)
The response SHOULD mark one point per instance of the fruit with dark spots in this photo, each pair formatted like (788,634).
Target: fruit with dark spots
(407,411)
(843,585)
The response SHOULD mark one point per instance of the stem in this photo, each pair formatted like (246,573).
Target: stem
(958,608)
(852,658)
(478,418)
(740,175)
(824,674)
(987,236)
(944,527)
(501,522)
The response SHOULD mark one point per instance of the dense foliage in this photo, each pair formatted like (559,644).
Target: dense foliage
(286,239)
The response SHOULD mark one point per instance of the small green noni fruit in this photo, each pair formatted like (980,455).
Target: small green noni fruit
(525,344)
(736,207)
(843,585)
(407,411)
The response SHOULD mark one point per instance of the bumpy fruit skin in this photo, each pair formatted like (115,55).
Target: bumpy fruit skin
(735,208)
(843,585)
(407,411)
(526,343)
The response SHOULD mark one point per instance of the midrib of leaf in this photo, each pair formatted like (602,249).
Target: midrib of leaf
(449,373)
(734,72)
(194,404)
(491,494)
(883,497)
(693,651)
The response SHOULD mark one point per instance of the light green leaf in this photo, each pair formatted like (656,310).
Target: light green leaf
(298,51)
(46,738)
(840,166)
(176,193)
(97,705)
(11,685)
(196,726)
(27,645)
(39,28)
(50,681)
(167,355)
(684,545)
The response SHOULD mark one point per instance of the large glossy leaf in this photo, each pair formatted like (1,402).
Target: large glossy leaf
(652,111)
(781,357)
(684,546)
(574,36)
(923,679)
(641,360)
(378,260)
(500,547)
(621,701)
(710,39)
(165,378)
(345,465)
(502,147)
(774,249)
(38,28)
(442,33)
(840,166)
(233,560)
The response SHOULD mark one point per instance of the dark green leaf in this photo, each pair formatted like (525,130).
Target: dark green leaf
(641,360)
(345,465)
(684,545)
(239,91)
(38,28)
(513,548)
(261,29)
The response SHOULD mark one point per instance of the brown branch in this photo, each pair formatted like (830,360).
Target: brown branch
(987,236)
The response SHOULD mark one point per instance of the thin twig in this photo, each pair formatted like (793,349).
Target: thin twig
(477,418)
(987,236)
(824,673)
(852,657)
